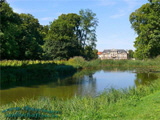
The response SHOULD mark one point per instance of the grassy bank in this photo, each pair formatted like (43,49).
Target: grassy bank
(79,62)
(141,103)
(14,70)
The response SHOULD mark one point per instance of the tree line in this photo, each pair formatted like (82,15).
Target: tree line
(23,37)
(146,23)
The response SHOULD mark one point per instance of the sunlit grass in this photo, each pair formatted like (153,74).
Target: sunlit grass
(81,62)
(15,70)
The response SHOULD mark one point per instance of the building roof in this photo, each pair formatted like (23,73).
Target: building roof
(99,53)
(115,50)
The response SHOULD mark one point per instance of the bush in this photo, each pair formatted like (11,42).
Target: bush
(77,61)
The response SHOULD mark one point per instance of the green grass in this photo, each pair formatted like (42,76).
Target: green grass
(136,103)
(15,71)
(79,62)
(145,108)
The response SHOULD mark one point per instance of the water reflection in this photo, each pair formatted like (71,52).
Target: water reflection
(145,78)
(86,82)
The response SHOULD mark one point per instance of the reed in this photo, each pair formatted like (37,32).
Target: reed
(33,70)
(14,70)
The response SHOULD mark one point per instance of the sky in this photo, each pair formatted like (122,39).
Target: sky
(114,29)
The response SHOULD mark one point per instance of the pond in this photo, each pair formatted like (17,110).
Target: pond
(83,83)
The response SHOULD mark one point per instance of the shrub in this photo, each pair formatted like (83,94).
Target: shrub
(76,61)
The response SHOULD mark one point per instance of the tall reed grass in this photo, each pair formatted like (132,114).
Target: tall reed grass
(79,62)
(24,62)
(12,71)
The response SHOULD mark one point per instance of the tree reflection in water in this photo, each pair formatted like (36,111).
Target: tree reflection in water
(145,78)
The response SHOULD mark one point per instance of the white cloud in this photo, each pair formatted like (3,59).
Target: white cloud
(19,10)
(117,15)
(106,2)
(120,13)
(130,5)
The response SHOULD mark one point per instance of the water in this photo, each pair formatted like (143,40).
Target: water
(86,82)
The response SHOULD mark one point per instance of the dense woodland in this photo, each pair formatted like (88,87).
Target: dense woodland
(23,37)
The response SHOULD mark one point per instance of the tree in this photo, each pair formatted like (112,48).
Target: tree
(72,35)
(87,32)
(62,41)
(30,39)
(44,30)
(145,21)
(130,53)
(90,53)
(20,35)
(152,1)
(10,22)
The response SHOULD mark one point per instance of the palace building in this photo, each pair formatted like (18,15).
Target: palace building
(116,54)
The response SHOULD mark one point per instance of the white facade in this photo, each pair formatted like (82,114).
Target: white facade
(114,54)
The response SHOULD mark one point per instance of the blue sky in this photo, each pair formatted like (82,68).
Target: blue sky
(114,29)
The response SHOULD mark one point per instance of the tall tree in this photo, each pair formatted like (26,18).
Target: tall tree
(146,22)
(10,22)
(87,33)
(62,40)
(30,39)
(20,35)
(72,35)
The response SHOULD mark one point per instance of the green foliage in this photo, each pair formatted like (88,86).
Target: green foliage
(76,61)
(90,53)
(87,33)
(130,54)
(72,32)
(23,38)
(153,1)
(153,63)
(62,39)
(9,31)
(20,35)
(30,38)
(145,21)
(29,112)
(26,71)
